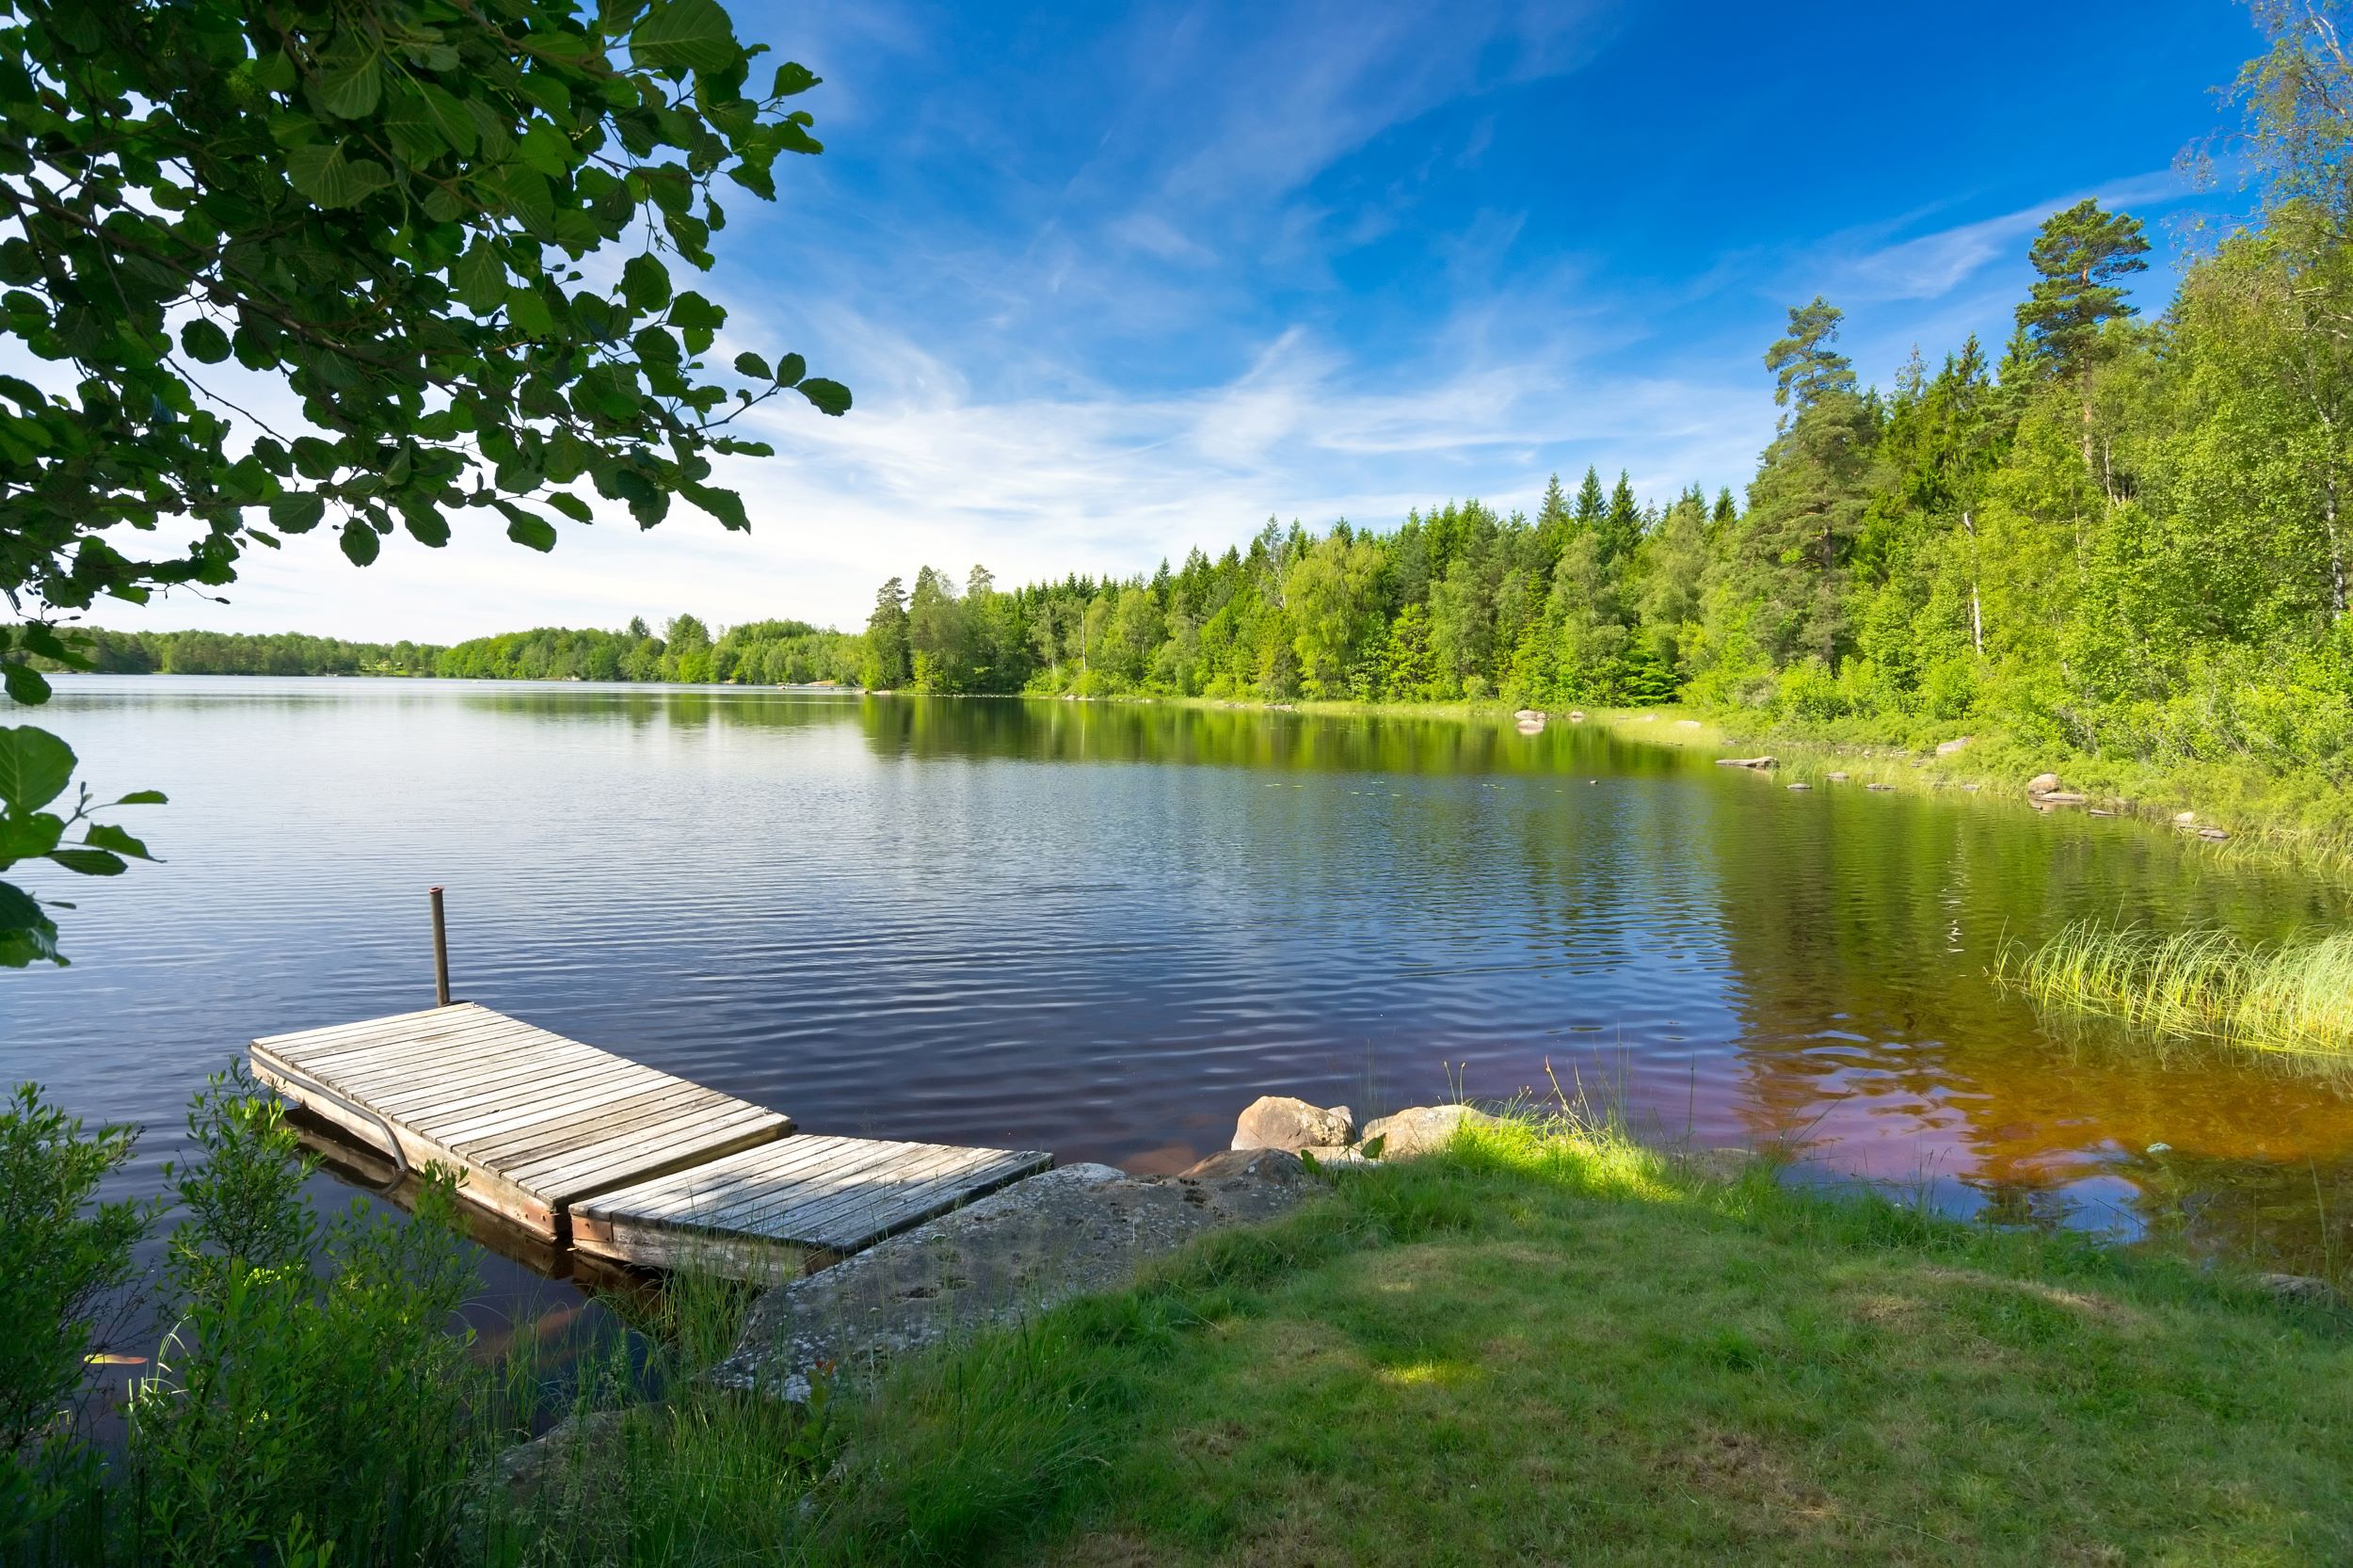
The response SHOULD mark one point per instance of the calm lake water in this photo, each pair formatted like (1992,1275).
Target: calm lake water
(1103,929)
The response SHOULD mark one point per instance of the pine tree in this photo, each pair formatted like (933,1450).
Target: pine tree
(2078,259)
(1621,527)
(1805,368)
(887,639)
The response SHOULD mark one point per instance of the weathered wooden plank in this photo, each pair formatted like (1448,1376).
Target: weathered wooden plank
(533,1130)
(860,1195)
(703,1188)
(428,1082)
(579,1126)
(509,1107)
(458,1024)
(854,1230)
(847,1171)
(637,1152)
(834,1193)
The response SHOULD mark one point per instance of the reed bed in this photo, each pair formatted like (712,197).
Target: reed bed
(2294,996)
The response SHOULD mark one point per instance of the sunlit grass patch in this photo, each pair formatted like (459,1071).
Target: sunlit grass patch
(2292,996)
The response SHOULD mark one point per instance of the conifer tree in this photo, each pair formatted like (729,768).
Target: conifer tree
(2078,258)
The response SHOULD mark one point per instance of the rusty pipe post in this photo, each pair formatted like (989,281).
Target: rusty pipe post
(441,954)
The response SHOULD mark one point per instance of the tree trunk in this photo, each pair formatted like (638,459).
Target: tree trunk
(1977,612)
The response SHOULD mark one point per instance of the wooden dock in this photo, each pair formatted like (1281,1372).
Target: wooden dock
(580,1146)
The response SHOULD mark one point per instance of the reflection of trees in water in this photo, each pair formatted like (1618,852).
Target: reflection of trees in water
(1896,1056)
(1039,729)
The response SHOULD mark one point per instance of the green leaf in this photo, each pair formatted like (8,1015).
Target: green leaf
(428,528)
(89,862)
(479,278)
(23,838)
(831,397)
(724,505)
(751,366)
(144,798)
(682,36)
(793,77)
(790,370)
(205,340)
(297,513)
(108,836)
(360,542)
(546,149)
(26,935)
(527,528)
(528,310)
(25,685)
(571,507)
(35,766)
(321,173)
(349,87)
(645,283)
(449,118)
(1371,1149)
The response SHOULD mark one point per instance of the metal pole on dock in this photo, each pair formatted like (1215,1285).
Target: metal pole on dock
(441,953)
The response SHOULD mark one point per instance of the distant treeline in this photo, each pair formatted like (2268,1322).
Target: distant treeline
(234,653)
(767,652)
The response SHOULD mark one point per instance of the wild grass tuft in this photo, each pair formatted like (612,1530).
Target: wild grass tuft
(2294,996)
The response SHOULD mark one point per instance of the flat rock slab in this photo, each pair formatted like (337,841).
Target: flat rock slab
(1076,1231)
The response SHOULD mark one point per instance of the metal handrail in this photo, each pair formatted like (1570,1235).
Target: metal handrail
(392,1139)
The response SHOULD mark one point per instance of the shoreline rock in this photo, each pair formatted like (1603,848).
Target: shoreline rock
(1283,1121)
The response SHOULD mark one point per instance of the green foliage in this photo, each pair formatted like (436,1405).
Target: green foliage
(313,1388)
(62,1256)
(36,768)
(387,211)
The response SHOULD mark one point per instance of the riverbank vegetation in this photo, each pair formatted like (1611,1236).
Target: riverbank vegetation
(1546,1335)
(2291,996)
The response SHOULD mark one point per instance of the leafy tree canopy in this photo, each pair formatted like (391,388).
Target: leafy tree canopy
(380,218)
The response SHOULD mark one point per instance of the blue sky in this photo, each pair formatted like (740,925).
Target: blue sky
(1110,282)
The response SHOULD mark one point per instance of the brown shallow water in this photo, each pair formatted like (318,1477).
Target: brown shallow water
(1102,929)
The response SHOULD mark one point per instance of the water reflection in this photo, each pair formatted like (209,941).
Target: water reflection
(1102,928)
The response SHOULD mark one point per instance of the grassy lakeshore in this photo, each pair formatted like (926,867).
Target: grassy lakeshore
(1550,1344)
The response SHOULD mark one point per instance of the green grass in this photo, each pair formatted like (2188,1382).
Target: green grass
(1546,1344)
(2294,996)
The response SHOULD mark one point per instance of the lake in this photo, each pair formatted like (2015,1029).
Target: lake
(1103,929)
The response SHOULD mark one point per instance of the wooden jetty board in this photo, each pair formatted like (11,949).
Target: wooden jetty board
(537,1122)
(835,1194)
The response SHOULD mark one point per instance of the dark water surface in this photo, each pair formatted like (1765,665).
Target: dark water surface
(1102,929)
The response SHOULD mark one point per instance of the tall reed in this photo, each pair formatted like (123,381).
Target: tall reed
(2291,996)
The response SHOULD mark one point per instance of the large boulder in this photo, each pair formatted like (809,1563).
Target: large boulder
(1945,748)
(1420,1130)
(1280,1121)
(2043,784)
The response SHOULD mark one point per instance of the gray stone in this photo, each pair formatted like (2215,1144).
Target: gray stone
(2185,818)
(2303,1288)
(1527,714)
(1337,1154)
(1801,786)
(2059,797)
(1945,748)
(1758,762)
(2214,833)
(1420,1130)
(1881,789)
(1281,1121)
(574,1447)
(1838,779)
(2042,783)
(1720,1165)
(1076,1231)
